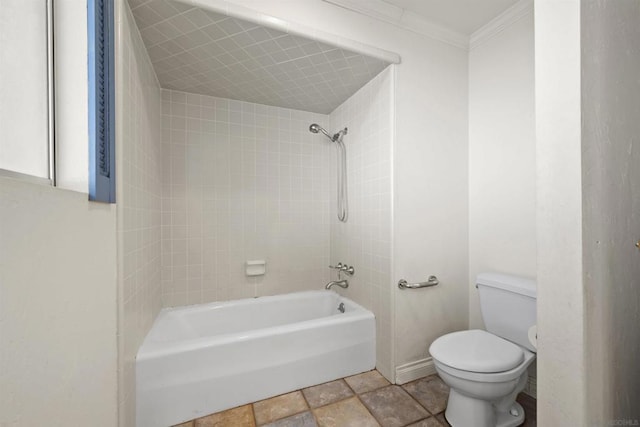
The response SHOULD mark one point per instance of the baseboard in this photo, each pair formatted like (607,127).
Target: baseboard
(414,370)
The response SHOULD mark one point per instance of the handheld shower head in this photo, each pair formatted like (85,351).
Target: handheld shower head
(315,128)
(343,209)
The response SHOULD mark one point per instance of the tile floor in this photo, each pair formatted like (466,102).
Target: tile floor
(362,400)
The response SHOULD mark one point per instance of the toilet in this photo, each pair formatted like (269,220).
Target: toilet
(486,370)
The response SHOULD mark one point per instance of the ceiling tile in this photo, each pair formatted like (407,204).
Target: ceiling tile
(198,17)
(168,29)
(214,16)
(145,15)
(230,26)
(152,36)
(135,3)
(259,34)
(200,51)
(214,32)
(163,8)
(243,39)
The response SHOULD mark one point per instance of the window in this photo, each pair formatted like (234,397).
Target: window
(26,90)
(101,101)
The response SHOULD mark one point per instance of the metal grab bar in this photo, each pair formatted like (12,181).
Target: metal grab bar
(432,281)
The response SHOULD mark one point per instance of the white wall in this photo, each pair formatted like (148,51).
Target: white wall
(561,346)
(611,206)
(23,88)
(72,113)
(58,308)
(138,144)
(430,194)
(364,241)
(241,181)
(502,157)
(430,168)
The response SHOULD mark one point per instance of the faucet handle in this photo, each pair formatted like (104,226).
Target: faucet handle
(343,268)
(348,270)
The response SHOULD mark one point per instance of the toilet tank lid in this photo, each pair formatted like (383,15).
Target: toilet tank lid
(516,284)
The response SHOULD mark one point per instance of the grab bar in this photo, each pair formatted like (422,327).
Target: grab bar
(432,281)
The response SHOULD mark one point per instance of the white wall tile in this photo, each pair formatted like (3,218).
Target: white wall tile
(247,181)
(364,241)
(139,204)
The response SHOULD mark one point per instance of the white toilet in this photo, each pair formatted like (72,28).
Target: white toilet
(486,370)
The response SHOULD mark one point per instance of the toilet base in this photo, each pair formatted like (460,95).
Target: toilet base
(463,411)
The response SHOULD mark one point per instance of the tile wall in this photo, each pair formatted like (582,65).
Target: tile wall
(138,203)
(241,181)
(364,241)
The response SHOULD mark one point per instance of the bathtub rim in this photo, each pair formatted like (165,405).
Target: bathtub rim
(151,349)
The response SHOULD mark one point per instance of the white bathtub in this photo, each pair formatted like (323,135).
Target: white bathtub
(206,358)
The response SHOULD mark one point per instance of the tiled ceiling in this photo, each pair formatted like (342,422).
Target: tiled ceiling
(200,51)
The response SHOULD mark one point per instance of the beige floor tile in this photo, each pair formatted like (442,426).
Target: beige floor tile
(368,381)
(390,404)
(327,393)
(305,419)
(430,392)
(349,412)
(443,420)
(241,416)
(429,422)
(270,410)
(393,407)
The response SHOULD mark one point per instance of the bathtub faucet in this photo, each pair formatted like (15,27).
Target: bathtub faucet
(342,283)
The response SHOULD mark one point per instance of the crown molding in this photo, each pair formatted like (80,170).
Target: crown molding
(500,23)
(404,19)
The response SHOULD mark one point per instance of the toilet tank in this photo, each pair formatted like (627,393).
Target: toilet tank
(508,306)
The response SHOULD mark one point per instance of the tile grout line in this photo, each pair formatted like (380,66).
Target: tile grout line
(367,409)
(309,406)
(411,397)
(311,410)
(253,414)
(287,416)
(355,394)
(416,400)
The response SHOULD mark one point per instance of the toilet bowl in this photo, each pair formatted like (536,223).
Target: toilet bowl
(485,370)
(484,396)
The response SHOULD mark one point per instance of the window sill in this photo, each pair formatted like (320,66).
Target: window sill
(25,177)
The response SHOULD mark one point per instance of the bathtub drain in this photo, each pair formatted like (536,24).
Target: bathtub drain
(341,307)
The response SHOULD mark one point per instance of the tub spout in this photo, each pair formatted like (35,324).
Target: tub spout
(342,283)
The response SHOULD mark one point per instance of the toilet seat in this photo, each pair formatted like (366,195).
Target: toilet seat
(476,351)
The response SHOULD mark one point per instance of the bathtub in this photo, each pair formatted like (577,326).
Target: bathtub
(205,358)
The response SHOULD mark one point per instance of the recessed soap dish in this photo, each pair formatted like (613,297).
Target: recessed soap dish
(256,267)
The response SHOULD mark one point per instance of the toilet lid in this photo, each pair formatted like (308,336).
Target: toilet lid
(476,351)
